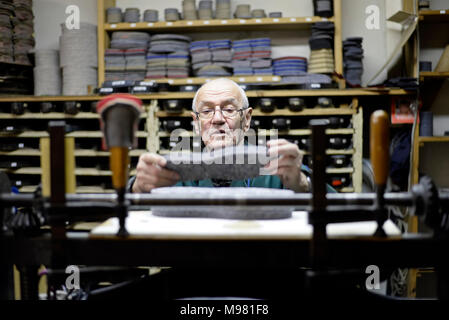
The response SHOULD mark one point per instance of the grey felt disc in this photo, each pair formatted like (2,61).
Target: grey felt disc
(243,212)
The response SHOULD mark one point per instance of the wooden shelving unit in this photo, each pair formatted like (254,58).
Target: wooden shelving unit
(434,16)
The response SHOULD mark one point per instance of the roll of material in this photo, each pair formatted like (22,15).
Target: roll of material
(47,73)
(275,14)
(426,124)
(171,14)
(114,15)
(132,15)
(150,15)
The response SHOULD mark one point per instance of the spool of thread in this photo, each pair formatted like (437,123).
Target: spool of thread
(426,124)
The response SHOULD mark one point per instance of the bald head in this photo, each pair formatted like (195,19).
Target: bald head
(221,84)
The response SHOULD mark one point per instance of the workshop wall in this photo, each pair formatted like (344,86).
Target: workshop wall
(51,13)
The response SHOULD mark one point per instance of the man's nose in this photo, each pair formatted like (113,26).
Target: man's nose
(218,116)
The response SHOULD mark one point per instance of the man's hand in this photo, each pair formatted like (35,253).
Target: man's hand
(288,165)
(151,173)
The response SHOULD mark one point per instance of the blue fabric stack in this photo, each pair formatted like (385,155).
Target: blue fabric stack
(290,66)
(241,58)
(261,56)
(352,58)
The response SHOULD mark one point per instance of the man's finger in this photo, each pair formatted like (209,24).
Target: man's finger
(152,158)
(285,150)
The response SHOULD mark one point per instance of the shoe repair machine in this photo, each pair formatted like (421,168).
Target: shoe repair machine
(37,234)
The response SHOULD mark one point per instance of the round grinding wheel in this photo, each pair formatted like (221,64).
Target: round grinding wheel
(223,212)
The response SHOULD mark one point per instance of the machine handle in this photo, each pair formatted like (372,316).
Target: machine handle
(379,146)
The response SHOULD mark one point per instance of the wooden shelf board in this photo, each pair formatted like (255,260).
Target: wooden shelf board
(25,134)
(433,139)
(424,75)
(189,95)
(21,152)
(29,170)
(93,189)
(278,112)
(434,16)
(54,115)
(215,25)
(93,153)
(96,172)
(339,170)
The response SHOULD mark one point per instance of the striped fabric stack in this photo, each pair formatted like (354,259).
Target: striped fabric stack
(261,56)
(290,66)
(252,56)
(241,58)
(211,58)
(168,56)
(126,59)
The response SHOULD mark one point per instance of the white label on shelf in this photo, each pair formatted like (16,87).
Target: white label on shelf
(292,19)
(259,78)
(9,128)
(442,11)
(139,88)
(13,164)
(308,19)
(170,81)
(224,22)
(169,23)
(242,79)
(189,23)
(258,21)
(315,85)
(21,145)
(113,26)
(206,22)
(276,78)
(242,21)
(189,81)
(275,20)
(132,25)
(118,83)
(150,24)
(324,19)
(207,80)
(106,90)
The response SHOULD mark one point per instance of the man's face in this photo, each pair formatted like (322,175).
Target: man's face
(221,131)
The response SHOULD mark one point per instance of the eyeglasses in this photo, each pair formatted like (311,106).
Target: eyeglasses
(207,114)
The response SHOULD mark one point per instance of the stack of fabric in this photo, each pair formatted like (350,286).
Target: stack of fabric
(261,56)
(222,9)
(252,56)
(323,8)
(242,57)
(205,10)
(168,56)
(47,74)
(211,58)
(352,58)
(115,64)
(23,30)
(78,58)
(290,66)
(6,32)
(321,46)
(189,10)
(126,59)
(136,63)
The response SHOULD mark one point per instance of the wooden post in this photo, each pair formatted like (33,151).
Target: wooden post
(338,43)
(102,35)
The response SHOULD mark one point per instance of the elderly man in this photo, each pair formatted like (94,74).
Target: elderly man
(221,115)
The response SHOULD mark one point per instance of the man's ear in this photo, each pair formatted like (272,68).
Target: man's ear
(196,127)
(247,120)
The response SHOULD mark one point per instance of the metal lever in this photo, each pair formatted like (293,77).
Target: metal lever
(380,160)
(119,120)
